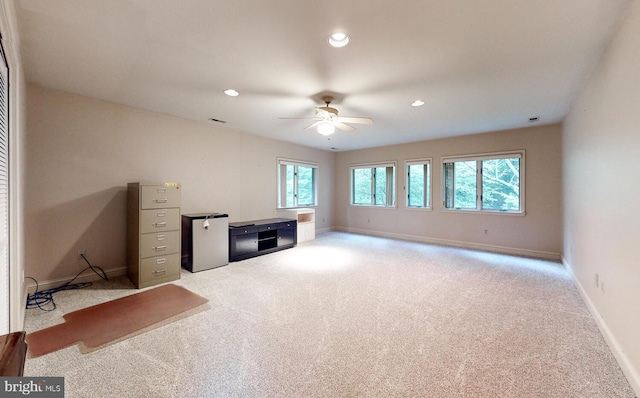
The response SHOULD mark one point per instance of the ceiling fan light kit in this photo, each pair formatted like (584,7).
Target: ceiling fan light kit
(327,120)
(326,128)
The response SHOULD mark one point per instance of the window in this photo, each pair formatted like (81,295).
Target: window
(418,184)
(373,185)
(297,183)
(490,182)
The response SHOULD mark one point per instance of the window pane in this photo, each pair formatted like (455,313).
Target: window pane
(416,188)
(297,184)
(494,187)
(289,192)
(373,186)
(427,181)
(381,185)
(464,185)
(362,186)
(305,186)
(392,185)
(501,184)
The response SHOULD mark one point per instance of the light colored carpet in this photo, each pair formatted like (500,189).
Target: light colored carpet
(354,316)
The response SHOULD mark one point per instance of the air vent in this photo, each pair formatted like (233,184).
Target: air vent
(216,120)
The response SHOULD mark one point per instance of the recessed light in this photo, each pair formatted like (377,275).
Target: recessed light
(338,40)
(417,103)
(231,92)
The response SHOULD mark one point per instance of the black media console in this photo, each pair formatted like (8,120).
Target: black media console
(254,238)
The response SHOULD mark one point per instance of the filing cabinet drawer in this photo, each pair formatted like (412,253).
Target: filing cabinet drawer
(159,196)
(158,220)
(159,268)
(159,244)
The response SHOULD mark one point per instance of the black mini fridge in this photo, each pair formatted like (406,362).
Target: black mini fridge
(205,241)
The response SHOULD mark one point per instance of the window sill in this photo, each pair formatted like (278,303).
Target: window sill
(486,212)
(298,207)
(374,206)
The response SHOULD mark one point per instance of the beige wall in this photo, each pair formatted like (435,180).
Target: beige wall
(538,233)
(82,152)
(602,191)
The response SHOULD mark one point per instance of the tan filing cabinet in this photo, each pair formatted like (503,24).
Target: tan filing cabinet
(153,233)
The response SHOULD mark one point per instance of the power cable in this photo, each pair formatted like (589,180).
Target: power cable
(44,299)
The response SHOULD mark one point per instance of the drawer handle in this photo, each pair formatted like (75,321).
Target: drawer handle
(162,190)
(160,200)
(161,261)
(161,214)
(159,271)
(160,248)
(160,224)
(161,237)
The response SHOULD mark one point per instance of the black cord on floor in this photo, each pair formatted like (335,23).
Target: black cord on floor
(44,299)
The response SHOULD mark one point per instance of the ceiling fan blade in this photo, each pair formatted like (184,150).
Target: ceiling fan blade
(314,125)
(342,126)
(357,120)
(297,118)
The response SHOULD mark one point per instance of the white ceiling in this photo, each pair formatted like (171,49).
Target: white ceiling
(480,65)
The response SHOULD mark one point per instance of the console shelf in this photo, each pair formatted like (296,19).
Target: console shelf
(306,218)
(254,238)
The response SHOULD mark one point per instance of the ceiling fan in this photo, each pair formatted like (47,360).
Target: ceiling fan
(327,119)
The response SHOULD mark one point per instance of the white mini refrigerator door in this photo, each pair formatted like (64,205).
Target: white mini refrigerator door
(209,242)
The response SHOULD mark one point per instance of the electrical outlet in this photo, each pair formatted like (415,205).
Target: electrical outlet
(82,252)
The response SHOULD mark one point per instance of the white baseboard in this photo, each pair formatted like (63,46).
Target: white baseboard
(627,367)
(87,276)
(455,243)
(323,231)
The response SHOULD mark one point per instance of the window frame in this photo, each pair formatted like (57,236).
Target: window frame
(281,187)
(479,158)
(427,199)
(391,179)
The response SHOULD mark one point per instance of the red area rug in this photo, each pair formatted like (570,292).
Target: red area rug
(107,323)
